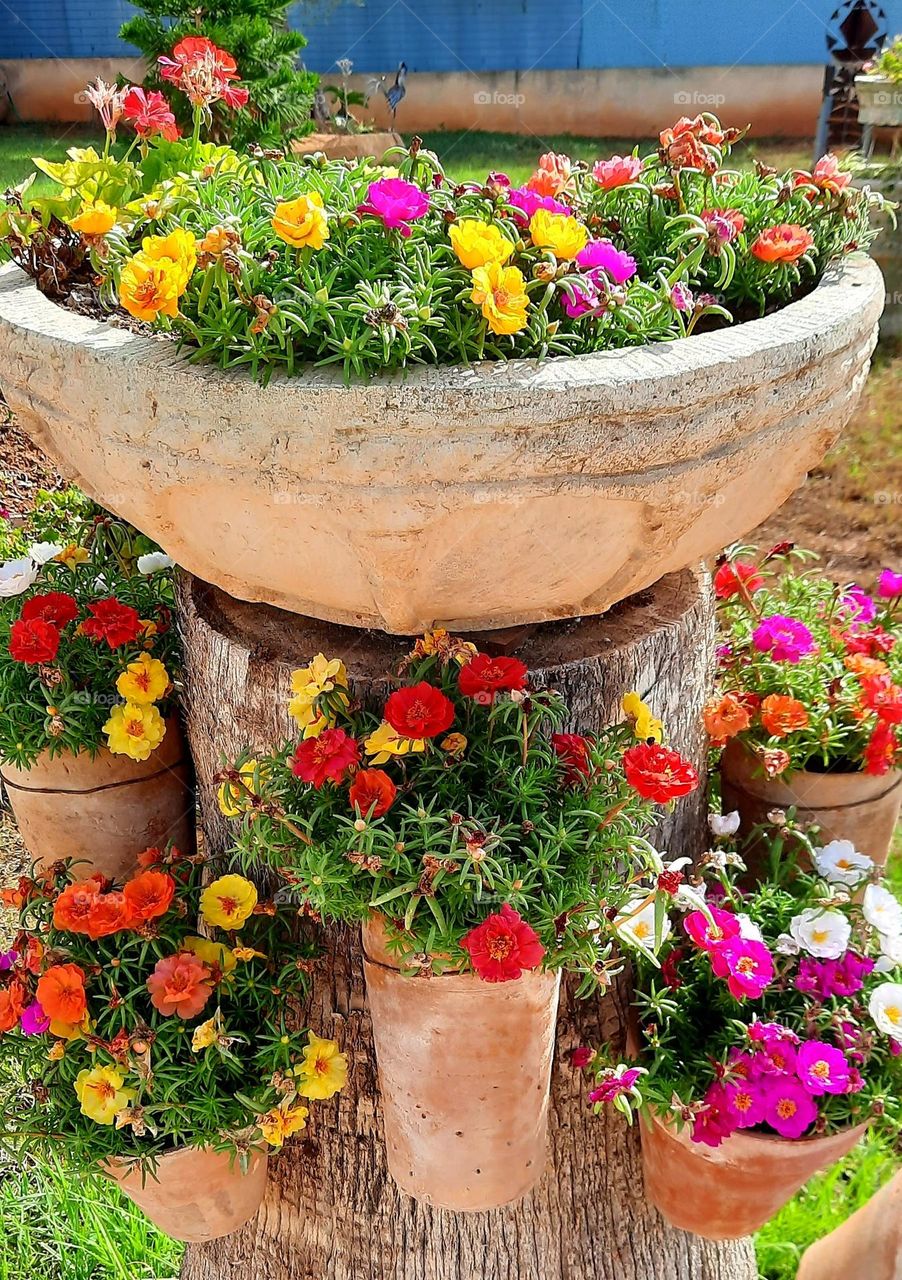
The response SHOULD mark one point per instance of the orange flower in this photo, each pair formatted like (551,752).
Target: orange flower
(61,994)
(784,243)
(781,714)
(110,913)
(552,175)
(12,1002)
(725,718)
(72,908)
(149,895)
(180,984)
(861,665)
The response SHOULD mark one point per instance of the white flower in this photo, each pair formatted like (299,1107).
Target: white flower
(882,910)
(17,576)
(639,926)
(749,930)
(839,862)
(153,561)
(890,952)
(786,945)
(726,824)
(42,552)
(821,933)
(885,1007)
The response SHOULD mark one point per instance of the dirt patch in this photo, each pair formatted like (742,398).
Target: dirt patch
(23,469)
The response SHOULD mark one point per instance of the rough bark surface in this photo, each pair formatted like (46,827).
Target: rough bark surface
(332,1211)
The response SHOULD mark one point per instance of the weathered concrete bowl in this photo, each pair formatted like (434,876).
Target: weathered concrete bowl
(477,497)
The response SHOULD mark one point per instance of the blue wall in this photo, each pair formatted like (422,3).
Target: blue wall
(482,35)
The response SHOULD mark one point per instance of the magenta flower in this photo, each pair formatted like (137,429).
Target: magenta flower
(581,1057)
(681,297)
(825,978)
(586,297)
(745,1100)
(785,639)
(857,604)
(788,1107)
(611,1085)
(615,262)
(34,1020)
(396,202)
(774,1045)
(822,1068)
(889,585)
(525,203)
(717,1120)
(747,965)
(8,959)
(709,936)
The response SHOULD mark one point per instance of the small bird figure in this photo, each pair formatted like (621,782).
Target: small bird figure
(395,95)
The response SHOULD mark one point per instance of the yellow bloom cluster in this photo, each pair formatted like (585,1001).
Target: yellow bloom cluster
(499,291)
(309,684)
(95,219)
(136,728)
(645,725)
(302,223)
(562,234)
(228,902)
(101,1095)
(153,281)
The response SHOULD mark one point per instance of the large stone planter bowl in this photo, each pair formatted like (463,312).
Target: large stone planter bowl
(477,497)
(879,101)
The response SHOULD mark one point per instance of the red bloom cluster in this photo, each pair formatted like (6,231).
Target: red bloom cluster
(149,114)
(93,908)
(327,758)
(204,73)
(113,622)
(572,749)
(658,773)
(503,946)
(483,677)
(372,792)
(419,711)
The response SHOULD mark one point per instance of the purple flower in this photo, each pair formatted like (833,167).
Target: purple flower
(825,978)
(34,1020)
(858,605)
(889,585)
(615,262)
(585,297)
(822,1068)
(895,1048)
(681,297)
(747,965)
(710,936)
(396,202)
(788,1107)
(611,1085)
(525,203)
(8,959)
(785,639)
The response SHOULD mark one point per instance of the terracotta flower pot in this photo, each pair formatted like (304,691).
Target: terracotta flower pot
(655,453)
(464,1072)
(196,1194)
(731,1190)
(106,810)
(859,807)
(869,1243)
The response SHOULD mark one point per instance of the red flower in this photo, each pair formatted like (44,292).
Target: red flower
(113,622)
(33,641)
(881,750)
(658,773)
(503,946)
(149,895)
(149,113)
(419,711)
(784,243)
(203,71)
(372,788)
(55,607)
(326,758)
(483,676)
(882,696)
(572,749)
(735,575)
(871,643)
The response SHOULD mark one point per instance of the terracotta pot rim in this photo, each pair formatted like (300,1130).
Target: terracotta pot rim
(169,755)
(749,777)
(747,1135)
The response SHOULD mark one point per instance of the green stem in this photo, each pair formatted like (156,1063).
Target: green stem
(195,136)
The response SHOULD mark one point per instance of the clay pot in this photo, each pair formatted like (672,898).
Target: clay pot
(731,1190)
(464,1071)
(107,810)
(846,806)
(655,453)
(194,1194)
(869,1243)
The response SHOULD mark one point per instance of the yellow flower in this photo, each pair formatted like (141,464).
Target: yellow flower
(282,1122)
(455,744)
(72,556)
(228,901)
(384,742)
(479,243)
(215,955)
(308,683)
(101,1094)
(233,799)
(301,222)
(179,247)
(207,1033)
(70,1031)
(216,240)
(149,288)
(95,219)
(324,1070)
(501,293)
(559,232)
(143,681)
(57,1051)
(134,731)
(247,953)
(644,724)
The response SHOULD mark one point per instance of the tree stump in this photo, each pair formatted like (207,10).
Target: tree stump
(332,1210)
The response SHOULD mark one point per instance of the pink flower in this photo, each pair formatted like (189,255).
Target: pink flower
(774,1046)
(34,1020)
(825,978)
(858,604)
(822,1068)
(889,585)
(788,1107)
(148,114)
(725,224)
(745,1101)
(586,297)
(827,174)
(747,965)
(525,202)
(611,1085)
(581,1057)
(681,297)
(785,639)
(716,1120)
(709,936)
(396,201)
(615,262)
(617,171)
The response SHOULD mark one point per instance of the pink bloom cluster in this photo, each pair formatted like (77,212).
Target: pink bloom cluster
(395,202)
(784,638)
(744,962)
(825,978)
